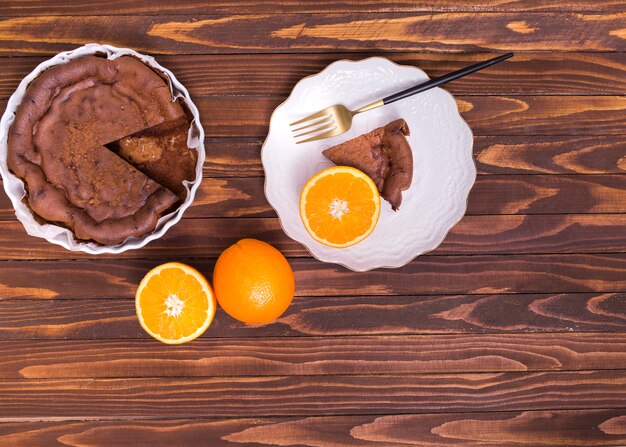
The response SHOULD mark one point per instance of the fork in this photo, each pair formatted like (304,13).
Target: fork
(337,119)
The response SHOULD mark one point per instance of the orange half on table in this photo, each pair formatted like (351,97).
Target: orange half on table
(340,206)
(175,303)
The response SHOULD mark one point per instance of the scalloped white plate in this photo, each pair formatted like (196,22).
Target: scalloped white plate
(443,167)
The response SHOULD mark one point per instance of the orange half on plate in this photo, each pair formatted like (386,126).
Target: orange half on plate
(175,303)
(340,206)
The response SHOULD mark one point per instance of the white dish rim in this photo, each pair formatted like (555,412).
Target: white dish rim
(386,266)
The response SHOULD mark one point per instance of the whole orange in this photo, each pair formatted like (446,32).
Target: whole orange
(253,282)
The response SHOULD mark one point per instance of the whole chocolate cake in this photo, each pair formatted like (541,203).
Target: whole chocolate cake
(56,145)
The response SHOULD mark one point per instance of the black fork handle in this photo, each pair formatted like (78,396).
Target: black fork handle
(443,79)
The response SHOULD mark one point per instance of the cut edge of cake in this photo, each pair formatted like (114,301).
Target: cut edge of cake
(384,154)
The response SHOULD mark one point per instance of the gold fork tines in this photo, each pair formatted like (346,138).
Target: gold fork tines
(341,117)
(331,121)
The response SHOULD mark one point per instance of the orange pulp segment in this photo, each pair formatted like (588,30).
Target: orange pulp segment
(340,206)
(175,303)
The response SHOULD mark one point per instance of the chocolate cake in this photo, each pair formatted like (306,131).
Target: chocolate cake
(162,154)
(384,155)
(56,145)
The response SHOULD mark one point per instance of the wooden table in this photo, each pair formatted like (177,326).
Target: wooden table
(512,333)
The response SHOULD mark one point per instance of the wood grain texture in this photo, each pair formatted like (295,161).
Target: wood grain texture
(477,274)
(511,194)
(293,33)
(491,194)
(60,399)
(135,7)
(335,315)
(549,155)
(486,115)
(507,234)
(295,356)
(600,154)
(539,194)
(239,157)
(565,233)
(493,155)
(245,116)
(275,74)
(512,333)
(508,429)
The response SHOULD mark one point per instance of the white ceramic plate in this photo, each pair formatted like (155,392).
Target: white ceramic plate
(443,167)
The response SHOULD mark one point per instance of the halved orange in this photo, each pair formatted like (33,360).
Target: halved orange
(175,303)
(340,206)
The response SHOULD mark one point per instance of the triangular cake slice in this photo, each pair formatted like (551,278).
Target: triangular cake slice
(384,155)
(162,154)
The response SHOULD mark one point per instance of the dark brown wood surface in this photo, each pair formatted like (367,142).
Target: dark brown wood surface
(192,7)
(511,333)
(205,33)
(511,428)
(535,73)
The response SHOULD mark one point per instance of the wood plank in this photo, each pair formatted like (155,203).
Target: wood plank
(547,194)
(231,197)
(486,115)
(246,116)
(433,275)
(491,194)
(162,7)
(302,33)
(240,157)
(565,233)
(507,429)
(601,154)
(276,74)
(525,230)
(325,316)
(234,357)
(308,395)
(512,194)
(196,238)
(546,155)
(493,155)
(528,115)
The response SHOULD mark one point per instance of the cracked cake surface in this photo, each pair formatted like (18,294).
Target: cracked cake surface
(384,155)
(56,146)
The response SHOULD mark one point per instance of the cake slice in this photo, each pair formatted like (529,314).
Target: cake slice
(162,154)
(384,155)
